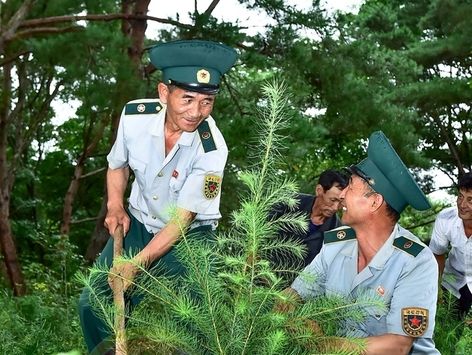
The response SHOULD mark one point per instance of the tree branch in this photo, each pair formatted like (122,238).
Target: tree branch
(98,171)
(13,57)
(77,221)
(107,17)
(46,30)
(210,8)
(16,20)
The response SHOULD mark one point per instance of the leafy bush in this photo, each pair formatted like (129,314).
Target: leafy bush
(38,325)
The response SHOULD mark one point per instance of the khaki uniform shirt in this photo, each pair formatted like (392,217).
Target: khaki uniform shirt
(403,274)
(189,176)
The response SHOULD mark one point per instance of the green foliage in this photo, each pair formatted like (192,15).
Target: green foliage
(451,336)
(224,304)
(38,325)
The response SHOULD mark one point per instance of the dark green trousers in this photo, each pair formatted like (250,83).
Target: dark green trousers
(97,335)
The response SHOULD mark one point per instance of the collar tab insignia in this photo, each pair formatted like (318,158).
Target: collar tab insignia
(408,246)
(340,234)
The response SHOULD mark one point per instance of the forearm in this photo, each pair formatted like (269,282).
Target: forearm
(166,238)
(117,180)
(441,260)
(388,344)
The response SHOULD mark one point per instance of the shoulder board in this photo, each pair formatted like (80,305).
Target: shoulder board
(206,137)
(140,108)
(339,235)
(408,246)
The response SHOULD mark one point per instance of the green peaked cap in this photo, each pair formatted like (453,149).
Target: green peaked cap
(194,65)
(389,176)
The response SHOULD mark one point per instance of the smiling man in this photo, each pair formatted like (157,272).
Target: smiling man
(453,228)
(376,256)
(320,211)
(177,156)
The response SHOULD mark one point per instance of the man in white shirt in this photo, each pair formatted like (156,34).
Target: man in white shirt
(177,155)
(453,228)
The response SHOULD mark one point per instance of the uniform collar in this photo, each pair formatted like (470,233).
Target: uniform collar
(157,129)
(385,251)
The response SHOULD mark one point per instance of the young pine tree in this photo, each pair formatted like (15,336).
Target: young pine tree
(225,302)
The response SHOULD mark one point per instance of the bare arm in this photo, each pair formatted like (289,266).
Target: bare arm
(117,180)
(441,259)
(388,344)
(166,238)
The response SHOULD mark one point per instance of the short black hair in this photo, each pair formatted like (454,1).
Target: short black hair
(465,182)
(330,177)
(392,212)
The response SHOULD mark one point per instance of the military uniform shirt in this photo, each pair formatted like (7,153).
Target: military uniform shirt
(188,177)
(406,283)
(448,231)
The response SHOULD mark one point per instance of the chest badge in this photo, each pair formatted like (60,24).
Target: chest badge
(415,321)
(380,290)
(212,186)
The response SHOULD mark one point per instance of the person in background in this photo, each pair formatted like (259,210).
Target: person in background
(177,155)
(320,211)
(453,229)
(372,254)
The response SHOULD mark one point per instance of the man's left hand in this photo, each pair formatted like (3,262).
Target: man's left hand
(124,271)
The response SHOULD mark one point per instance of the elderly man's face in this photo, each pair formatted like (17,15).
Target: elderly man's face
(356,201)
(464,204)
(185,109)
(329,200)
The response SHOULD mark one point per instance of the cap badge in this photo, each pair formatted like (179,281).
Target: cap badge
(203,76)
(341,235)
(141,108)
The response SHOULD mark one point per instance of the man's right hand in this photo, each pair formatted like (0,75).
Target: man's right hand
(115,217)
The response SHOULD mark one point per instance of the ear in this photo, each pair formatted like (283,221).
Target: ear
(163,92)
(377,202)
(318,190)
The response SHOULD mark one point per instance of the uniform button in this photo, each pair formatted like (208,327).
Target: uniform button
(154,197)
(161,174)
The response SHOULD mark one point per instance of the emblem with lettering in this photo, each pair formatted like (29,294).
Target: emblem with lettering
(415,321)
(212,186)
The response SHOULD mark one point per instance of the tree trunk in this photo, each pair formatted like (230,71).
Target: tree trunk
(69,199)
(100,235)
(7,243)
(90,144)
(135,30)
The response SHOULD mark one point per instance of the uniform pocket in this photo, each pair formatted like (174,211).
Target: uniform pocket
(176,184)
(139,170)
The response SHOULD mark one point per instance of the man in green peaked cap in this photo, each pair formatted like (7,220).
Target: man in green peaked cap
(193,65)
(374,256)
(389,176)
(177,155)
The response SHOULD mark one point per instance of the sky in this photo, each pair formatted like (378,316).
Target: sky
(232,10)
